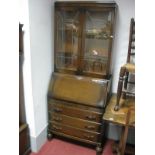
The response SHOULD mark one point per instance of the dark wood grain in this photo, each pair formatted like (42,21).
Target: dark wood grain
(75,132)
(76,111)
(77,115)
(24,144)
(75,122)
(131,39)
(84,90)
(120,85)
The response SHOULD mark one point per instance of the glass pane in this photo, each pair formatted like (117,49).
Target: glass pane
(67,39)
(98,34)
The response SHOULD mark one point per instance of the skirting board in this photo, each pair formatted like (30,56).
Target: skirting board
(39,141)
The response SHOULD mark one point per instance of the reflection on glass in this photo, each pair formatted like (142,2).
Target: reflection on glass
(98,35)
(67,39)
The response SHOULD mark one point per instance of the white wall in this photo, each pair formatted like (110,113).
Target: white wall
(37,16)
(24,19)
(41,57)
(126,10)
(41,45)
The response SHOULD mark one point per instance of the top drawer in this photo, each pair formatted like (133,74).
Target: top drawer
(72,110)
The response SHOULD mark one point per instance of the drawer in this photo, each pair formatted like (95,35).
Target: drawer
(74,111)
(75,132)
(75,122)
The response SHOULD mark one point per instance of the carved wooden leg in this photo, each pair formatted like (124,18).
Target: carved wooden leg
(119,88)
(99,149)
(115,148)
(123,95)
(126,79)
(49,135)
(125,84)
(123,139)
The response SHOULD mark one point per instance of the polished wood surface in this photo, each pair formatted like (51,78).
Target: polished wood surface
(124,117)
(130,67)
(75,110)
(119,87)
(79,89)
(75,122)
(73,139)
(120,116)
(75,132)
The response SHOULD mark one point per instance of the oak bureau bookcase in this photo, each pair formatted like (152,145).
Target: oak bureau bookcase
(81,82)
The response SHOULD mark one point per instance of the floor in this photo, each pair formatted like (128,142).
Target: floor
(59,147)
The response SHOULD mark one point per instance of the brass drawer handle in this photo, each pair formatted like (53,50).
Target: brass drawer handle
(90,117)
(57,109)
(88,136)
(90,127)
(57,119)
(57,128)
(111,36)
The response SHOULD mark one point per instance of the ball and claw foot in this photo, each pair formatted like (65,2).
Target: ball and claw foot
(98,150)
(49,136)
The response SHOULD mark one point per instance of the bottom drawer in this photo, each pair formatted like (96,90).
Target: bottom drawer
(91,136)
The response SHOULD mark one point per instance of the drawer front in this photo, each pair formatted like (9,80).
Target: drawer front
(75,122)
(75,112)
(91,136)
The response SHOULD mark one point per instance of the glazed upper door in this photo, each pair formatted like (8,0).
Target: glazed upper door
(83,38)
(67,41)
(97,42)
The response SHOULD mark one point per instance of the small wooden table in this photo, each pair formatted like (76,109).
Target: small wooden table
(125,117)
